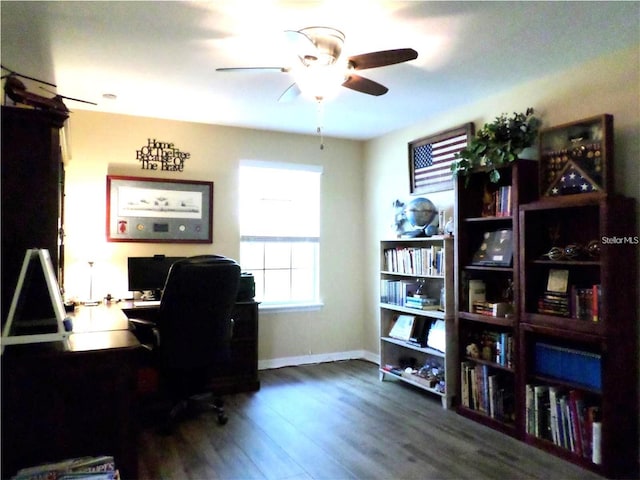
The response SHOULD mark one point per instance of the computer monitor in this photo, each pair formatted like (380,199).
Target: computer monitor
(148,274)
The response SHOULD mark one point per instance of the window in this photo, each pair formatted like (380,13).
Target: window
(280,231)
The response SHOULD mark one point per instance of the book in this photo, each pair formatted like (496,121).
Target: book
(529,409)
(592,415)
(567,440)
(558,281)
(465,383)
(575,406)
(500,309)
(403,327)
(436,338)
(540,409)
(597,299)
(396,291)
(419,333)
(477,292)
(553,418)
(568,364)
(95,468)
(596,455)
(421,303)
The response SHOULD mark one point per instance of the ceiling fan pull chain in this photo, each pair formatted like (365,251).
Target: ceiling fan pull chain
(320,112)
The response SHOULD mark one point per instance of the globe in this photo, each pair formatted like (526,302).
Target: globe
(420,212)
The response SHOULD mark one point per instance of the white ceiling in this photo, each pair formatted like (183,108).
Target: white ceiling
(160,58)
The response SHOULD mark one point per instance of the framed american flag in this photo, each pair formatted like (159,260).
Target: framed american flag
(430,159)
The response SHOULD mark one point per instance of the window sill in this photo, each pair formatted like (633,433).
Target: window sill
(290,307)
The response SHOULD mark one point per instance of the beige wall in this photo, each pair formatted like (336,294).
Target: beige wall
(607,85)
(102,144)
(360,182)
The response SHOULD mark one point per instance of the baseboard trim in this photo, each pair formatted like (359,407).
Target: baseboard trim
(318,358)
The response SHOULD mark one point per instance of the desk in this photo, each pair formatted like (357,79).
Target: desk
(62,402)
(241,374)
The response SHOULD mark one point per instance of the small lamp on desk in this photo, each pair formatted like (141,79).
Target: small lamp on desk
(91,301)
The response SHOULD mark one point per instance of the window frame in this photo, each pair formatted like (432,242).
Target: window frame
(314,302)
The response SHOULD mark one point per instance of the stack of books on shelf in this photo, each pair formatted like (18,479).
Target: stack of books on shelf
(581,303)
(554,303)
(427,261)
(555,300)
(487,392)
(421,302)
(565,418)
(81,468)
(499,309)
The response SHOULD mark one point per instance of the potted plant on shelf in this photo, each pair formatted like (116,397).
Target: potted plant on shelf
(497,144)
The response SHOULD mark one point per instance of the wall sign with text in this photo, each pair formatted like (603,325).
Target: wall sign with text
(162,156)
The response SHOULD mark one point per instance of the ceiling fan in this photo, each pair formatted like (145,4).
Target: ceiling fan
(320,65)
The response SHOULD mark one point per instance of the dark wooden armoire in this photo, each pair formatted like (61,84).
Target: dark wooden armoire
(32,192)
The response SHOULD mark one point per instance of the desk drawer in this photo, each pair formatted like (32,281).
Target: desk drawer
(245,321)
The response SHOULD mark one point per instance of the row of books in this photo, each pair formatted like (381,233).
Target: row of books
(565,418)
(580,303)
(487,392)
(427,261)
(402,292)
(497,347)
(569,364)
(500,205)
(80,468)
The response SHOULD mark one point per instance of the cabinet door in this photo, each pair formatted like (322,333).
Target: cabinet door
(241,373)
(32,174)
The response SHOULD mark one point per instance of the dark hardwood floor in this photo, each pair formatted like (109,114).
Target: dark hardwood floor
(338,421)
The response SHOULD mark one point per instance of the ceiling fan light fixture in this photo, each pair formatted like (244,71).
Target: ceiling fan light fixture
(328,42)
(320,81)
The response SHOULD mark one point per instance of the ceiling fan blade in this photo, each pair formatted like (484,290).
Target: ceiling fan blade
(290,93)
(382,58)
(364,85)
(241,69)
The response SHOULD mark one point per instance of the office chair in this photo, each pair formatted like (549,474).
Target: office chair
(191,334)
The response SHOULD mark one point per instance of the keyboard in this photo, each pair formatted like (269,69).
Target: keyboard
(146,303)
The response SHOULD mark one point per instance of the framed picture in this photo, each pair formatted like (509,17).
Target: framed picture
(577,158)
(159,210)
(430,159)
(496,249)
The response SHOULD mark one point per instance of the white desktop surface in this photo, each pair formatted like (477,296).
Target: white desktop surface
(146,303)
(98,318)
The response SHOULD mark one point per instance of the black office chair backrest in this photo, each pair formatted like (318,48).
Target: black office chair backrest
(194,319)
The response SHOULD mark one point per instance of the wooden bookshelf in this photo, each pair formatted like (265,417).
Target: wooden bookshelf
(575,350)
(483,207)
(405,264)
(597,332)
